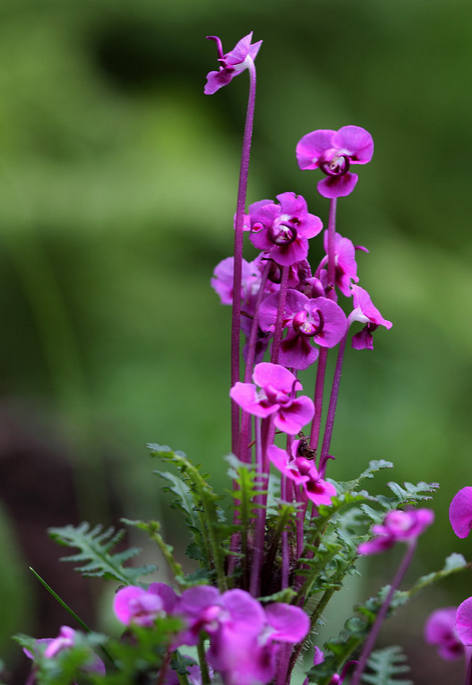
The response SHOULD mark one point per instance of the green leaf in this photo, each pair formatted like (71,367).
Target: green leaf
(385,665)
(94,556)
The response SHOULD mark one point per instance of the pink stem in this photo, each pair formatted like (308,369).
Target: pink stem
(468,665)
(333,400)
(238,252)
(285,550)
(371,640)
(279,323)
(262,467)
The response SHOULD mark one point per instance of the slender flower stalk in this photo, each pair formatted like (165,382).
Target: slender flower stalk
(280,316)
(238,251)
(371,640)
(333,399)
(468,666)
(331,242)
(244,453)
(262,466)
(284,487)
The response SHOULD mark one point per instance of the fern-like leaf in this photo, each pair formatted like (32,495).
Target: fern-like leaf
(385,665)
(95,557)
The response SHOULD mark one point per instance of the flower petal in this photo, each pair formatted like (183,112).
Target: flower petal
(290,623)
(356,142)
(460,512)
(275,375)
(312,146)
(337,186)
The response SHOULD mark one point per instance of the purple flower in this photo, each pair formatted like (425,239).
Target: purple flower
(398,526)
(460,512)
(65,640)
(365,312)
(133,604)
(272,394)
(345,263)
(232,63)
(302,471)
(334,152)
(320,320)
(440,630)
(464,622)
(222,280)
(283,229)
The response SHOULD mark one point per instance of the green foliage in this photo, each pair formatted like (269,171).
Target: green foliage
(95,558)
(385,665)
(338,650)
(204,517)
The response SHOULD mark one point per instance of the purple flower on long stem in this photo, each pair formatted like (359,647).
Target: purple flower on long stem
(365,312)
(283,229)
(334,152)
(271,394)
(398,526)
(460,512)
(319,320)
(302,471)
(232,63)
(440,630)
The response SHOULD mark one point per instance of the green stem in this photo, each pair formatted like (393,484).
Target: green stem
(203,664)
(60,601)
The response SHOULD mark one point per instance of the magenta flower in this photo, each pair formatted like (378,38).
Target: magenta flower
(232,63)
(464,622)
(283,229)
(440,630)
(345,263)
(365,312)
(460,512)
(398,526)
(222,280)
(302,471)
(133,604)
(65,640)
(334,152)
(319,320)
(272,394)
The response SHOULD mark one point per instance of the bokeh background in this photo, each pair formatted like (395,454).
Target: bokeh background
(117,191)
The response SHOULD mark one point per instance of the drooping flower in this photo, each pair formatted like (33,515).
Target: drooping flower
(440,630)
(283,229)
(365,312)
(232,63)
(133,604)
(302,471)
(334,152)
(398,526)
(344,261)
(460,512)
(272,394)
(319,320)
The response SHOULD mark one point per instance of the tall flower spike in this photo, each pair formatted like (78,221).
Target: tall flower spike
(232,63)
(334,152)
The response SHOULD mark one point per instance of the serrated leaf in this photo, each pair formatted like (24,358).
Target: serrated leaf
(95,557)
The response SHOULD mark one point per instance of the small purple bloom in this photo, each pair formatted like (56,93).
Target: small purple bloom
(65,640)
(345,263)
(222,280)
(283,229)
(398,526)
(319,319)
(232,63)
(334,152)
(460,512)
(302,471)
(464,622)
(440,630)
(133,604)
(365,312)
(275,397)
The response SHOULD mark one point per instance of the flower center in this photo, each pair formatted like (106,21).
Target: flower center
(308,324)
(303,465)
(336,166)
(275,396)
(282,234)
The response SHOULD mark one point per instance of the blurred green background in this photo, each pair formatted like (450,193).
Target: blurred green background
(117,191)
